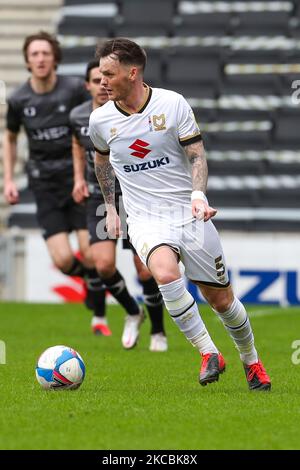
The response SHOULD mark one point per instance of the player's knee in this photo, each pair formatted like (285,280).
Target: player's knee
(105,267)
(165,278)
(63,262)
(221,303)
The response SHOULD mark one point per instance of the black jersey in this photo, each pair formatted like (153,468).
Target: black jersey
(45,118)
(79,119)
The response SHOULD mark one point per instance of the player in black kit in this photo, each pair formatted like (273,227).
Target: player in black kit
(42,105)
(104,249)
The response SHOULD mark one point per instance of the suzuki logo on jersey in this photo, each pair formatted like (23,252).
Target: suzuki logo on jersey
(140,148)
(147,165)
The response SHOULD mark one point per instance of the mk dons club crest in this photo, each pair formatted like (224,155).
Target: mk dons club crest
(159,122)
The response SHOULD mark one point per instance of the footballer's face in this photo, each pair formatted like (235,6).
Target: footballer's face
(40,59)
(96,88)
(117,78)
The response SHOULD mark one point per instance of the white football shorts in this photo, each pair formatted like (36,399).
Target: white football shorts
(197,245)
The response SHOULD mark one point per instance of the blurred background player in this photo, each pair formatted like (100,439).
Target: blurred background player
(103,249)
(168,212)
(42,105)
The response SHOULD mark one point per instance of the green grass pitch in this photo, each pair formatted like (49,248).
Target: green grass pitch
(141,400)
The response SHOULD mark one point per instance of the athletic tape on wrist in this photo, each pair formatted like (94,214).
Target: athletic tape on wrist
(198,195)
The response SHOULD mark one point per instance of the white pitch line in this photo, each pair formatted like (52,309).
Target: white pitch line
(267,312)
(264,313)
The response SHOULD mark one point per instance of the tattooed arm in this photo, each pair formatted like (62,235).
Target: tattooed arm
(106,179)
(196,154)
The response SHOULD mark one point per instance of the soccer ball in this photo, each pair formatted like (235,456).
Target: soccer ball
(60,368)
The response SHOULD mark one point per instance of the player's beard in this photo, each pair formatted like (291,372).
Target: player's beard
(121,94)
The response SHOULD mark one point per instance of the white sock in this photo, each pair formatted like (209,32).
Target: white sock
(237,323)
(99,320)
(183,310)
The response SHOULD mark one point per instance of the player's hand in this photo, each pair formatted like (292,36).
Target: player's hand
(201,210)
(113,224)
(80,191)
(11,193)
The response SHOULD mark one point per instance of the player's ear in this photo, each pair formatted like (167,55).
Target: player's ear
(133,73)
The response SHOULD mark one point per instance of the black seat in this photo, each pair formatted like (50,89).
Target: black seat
(233,198)
(197,72)
(255,56)
(239,167)
(135,30)
(286,130)
(236,114)
(79,2)
(251,84)
(279,168)
(201,70)
(145,18)
(281,198)
(204,114)
(153,71)
(78,54)
(202,24)
(237,140)
(261,23)
(193,90)
(89,26)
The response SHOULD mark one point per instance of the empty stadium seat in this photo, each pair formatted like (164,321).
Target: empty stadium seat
(192,68)
(261,23)
(238,140)
(189,70)
(193,90)
(203,71)
(79,2)
(279,168)
(284,198)
(138,18)
(238,198)
(286,131)
(236,167)
(251,84)
(255,56)
(204,114)
(202,24)
(78,54)
(153,71)
(98,27)
(243,115)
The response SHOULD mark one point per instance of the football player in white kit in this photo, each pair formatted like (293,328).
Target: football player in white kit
(150,140)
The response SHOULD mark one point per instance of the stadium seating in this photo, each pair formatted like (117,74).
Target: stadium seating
(17,19)
(236,63)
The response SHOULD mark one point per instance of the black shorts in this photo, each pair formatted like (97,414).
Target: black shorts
(58,212)
(96,219)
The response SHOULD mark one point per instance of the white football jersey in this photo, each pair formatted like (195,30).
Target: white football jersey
(147,153)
